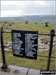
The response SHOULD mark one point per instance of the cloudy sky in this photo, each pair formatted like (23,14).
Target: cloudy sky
(20,8)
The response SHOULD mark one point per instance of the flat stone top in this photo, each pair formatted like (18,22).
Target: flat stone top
(15,70)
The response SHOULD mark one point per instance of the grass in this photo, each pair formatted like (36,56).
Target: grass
(22,26)
(41,62)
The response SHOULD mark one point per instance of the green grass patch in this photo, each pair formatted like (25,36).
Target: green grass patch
(40,63)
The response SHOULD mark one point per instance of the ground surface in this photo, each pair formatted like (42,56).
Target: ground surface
(15,70)
(29,63)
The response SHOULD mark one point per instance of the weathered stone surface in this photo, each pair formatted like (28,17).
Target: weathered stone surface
(34,72)
(44,43)
(6,49)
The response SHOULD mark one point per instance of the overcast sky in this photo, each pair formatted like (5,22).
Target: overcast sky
(20,8)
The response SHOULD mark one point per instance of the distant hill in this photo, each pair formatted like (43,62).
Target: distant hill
(31,18)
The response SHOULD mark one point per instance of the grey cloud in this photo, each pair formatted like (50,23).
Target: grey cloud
(30,8)
(10,7)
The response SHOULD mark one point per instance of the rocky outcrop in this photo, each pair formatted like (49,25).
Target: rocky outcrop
(43,44)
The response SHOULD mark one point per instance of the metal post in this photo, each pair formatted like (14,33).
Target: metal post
(52,33)
(2,49)
(4,66)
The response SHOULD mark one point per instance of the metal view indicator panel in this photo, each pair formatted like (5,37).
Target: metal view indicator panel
(47,73)
(24,43)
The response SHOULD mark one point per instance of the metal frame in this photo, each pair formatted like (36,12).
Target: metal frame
(52,34)
(3,52)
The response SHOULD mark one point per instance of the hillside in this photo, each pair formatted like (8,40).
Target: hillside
(31,18)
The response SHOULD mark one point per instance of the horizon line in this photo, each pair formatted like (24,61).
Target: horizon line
(29,15)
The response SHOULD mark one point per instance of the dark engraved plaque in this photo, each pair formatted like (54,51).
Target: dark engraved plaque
(24,43)
(18,43)
(31,45)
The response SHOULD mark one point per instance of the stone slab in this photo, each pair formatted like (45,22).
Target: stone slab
(15,70)
(34,72)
